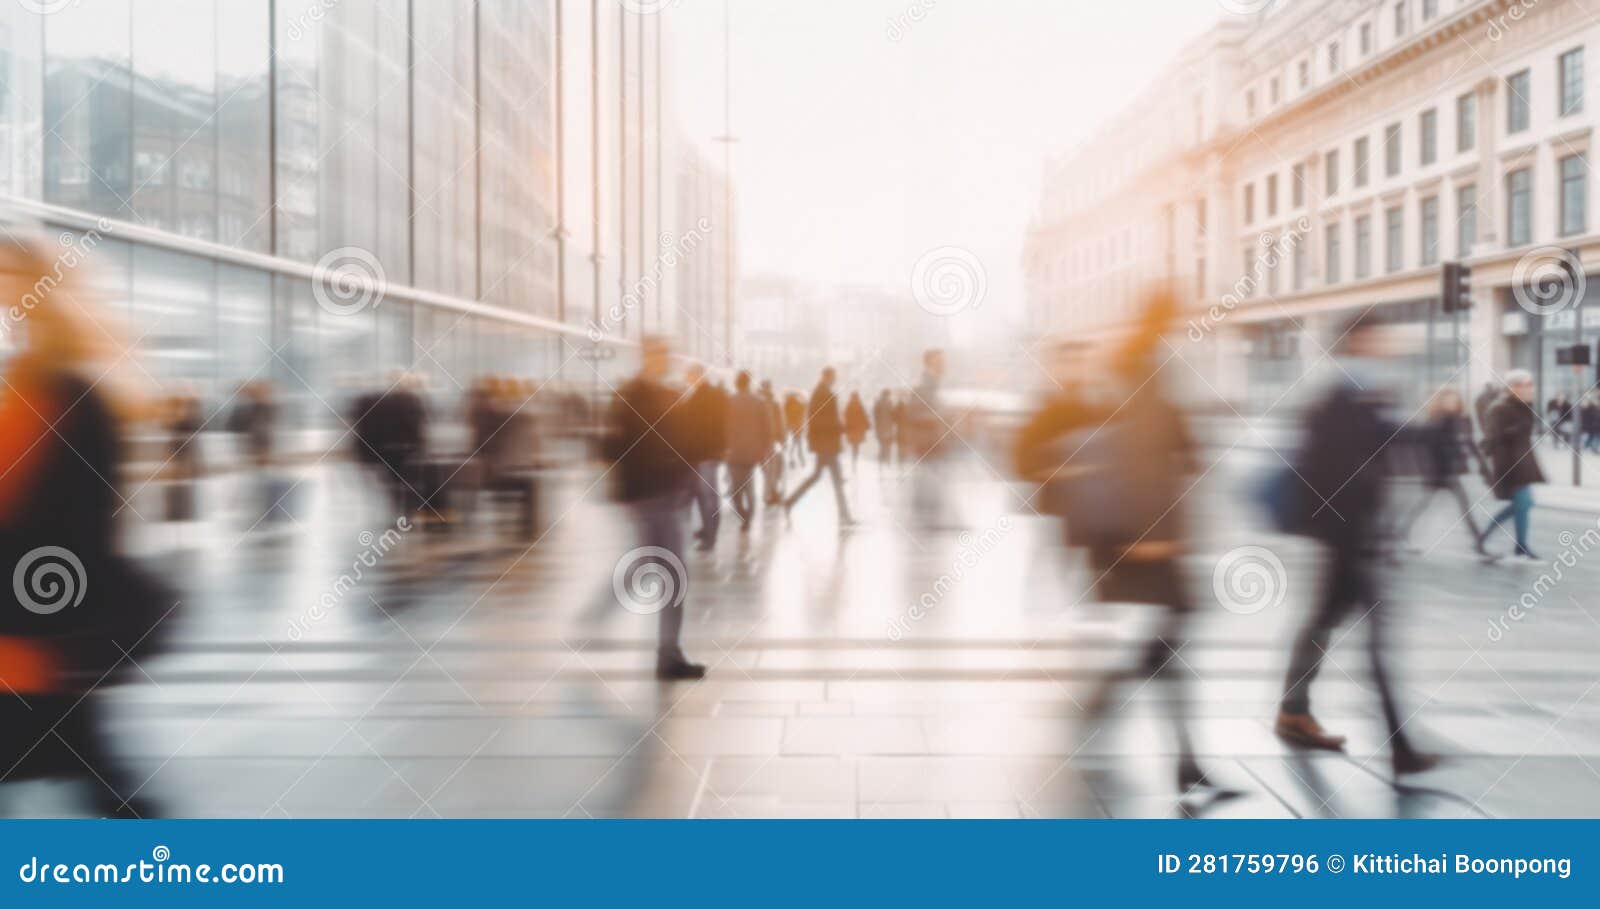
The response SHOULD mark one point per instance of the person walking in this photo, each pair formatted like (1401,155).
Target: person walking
(1445,447)
(1146,444)
(1343,473)
(926,439)
(1513,464)
(856,425)
(751,435)
(883,424)
(82,614)
(824,433)
(705,411)
(643,442)
(1589,422)
(794,419)
(772,467)
(1559,415)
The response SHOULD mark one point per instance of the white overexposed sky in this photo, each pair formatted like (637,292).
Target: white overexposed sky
(871,131)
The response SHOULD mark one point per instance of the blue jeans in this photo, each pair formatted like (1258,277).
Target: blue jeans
(705,491)
(1518,509)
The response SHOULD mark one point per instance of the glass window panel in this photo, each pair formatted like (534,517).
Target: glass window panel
(88,112)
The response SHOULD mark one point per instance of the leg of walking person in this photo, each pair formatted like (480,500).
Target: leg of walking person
(1295,723)
(708,498)
(1408,520)
(1465,504)
(1522,512)
(806,484)
(660,524)
(840,498)
(740,483)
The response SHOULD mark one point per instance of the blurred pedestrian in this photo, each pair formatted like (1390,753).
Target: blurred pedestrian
(1344,467)
(647,432)
(255,421)
(705,414)
(1514,466)
(772,467)
(928,432)
(1445,446)
(824,434)
(1589,422)
(1558,415)
(751,435)
(794,420)
(884,425)
(856,425)
(82,612)
(1143,447)
(183,422)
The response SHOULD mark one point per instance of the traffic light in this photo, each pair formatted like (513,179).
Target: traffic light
(1456,294)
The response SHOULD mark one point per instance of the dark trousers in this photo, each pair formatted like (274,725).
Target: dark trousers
(1157,582)
(658,523)
(1350,589)
(1452,485)
(828,463)
(741,479)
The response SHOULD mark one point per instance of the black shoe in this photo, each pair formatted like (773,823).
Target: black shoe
(1526,553)
(1193,781)
(1409,760)
(680,669)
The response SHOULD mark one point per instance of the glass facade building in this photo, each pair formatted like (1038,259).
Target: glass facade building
(498,175)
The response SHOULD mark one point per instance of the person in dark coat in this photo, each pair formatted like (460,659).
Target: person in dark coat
(705,415)
(1513,465)
(390,433)
(1344,468)
(1159,455)
(794,421)
(647,431)
(80,611)
(1558,414)
(183,423)
(751,436)
(1445,448)
(856,425)
(825,434)
(1589,421)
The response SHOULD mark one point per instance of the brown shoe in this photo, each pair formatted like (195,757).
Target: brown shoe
(1300,729)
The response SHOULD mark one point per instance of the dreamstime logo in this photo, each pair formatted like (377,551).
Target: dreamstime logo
(649,579)
(1574,548)
(899,26)
(300,25)
(673,251)
(1547,280)
(49,579)
(374,548)
(971,550)
(1249,579)
(648,7)
(949,279)
(1500,25)
(348,280)
(1273,251)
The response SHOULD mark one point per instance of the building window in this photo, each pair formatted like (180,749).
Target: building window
(1272,92)
(1333,56)
(1428,127)
(1394,239)
(1400,19)
(1363,247)
(1571,66)
(1249,202)
(1430,8)
(1466,219)
(1466,122)
(1391,150)
(1250,105)
(1517,102)
(1366,38)
(1272,195)
(1297,187)
(1574,195)
(1331,252)
(1519,207)
(1299,265)
(1330,176)
(1248,283)
(1305,74)
(1430,231)
(1363,154)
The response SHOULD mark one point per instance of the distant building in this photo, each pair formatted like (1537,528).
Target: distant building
(1295,167)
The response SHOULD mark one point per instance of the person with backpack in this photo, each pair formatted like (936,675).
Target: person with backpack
(1341,472)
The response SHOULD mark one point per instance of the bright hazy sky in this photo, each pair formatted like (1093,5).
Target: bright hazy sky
(858,152)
